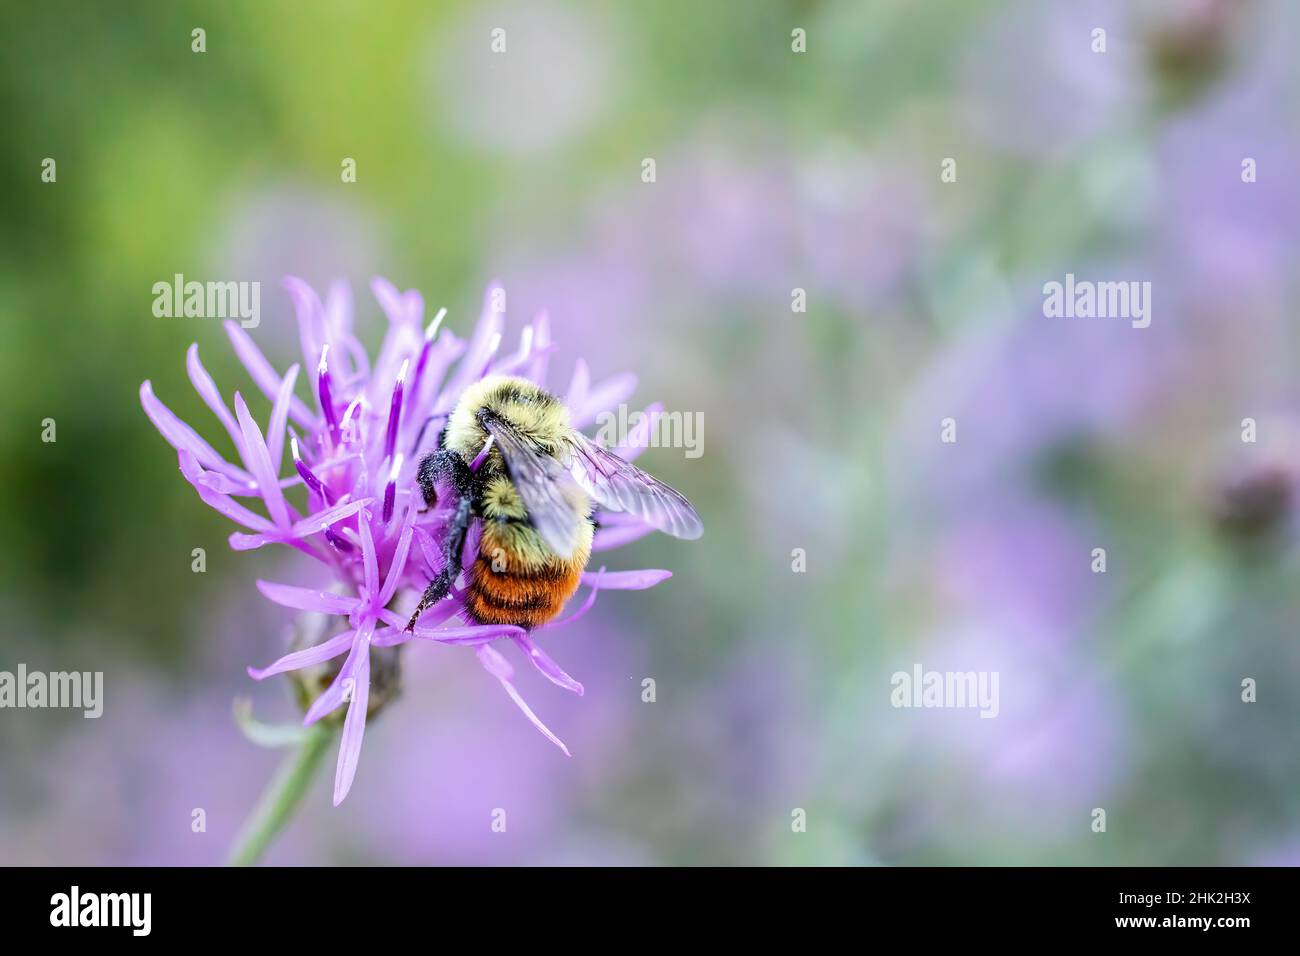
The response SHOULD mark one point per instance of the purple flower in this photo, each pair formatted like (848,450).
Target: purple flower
(1055,95)
(354,450)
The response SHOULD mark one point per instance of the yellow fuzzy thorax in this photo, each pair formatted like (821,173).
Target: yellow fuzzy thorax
(501,500)
(535,414)
(542,419)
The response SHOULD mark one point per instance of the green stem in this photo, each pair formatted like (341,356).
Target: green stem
(281,798)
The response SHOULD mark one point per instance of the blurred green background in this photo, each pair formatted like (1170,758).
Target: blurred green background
(776,170)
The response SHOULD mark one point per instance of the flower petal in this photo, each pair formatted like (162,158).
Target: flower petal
(369,559)
(318,522)
(445,350)
(258,460)
(226,486)
(607,539)
(626,580)
(325,651)
(443,611)
(236,512)
(544,663)
(351,359)
(398,564)
(250,542)
(307,307)
(400,307)
(184,438)
(471,635)
(333,696)
(208,391)
(499,667)
(390,636)
(275,429)
(307,599)
(354,729)
(261,372)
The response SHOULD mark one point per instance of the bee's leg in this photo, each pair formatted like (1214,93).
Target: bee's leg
(447,467)
(453,555)
(440,467)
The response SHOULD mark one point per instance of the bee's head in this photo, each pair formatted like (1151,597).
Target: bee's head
(526,407)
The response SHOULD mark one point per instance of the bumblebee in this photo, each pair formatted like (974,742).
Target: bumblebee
(512,458)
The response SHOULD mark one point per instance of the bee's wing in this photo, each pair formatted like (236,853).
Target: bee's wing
(546,488)
(621,486)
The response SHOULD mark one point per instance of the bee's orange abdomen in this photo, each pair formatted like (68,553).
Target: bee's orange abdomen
(526,597)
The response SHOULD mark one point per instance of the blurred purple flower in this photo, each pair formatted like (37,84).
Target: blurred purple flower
(1026,387)
(1060,737)
(737,219)
(427,793)
(1237,241)
(1018,559)
(1033,85)
(356,460)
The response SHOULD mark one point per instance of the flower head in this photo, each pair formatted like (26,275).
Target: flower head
(347,495)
